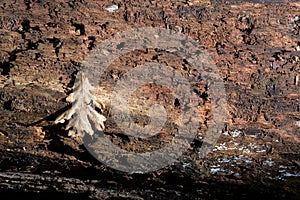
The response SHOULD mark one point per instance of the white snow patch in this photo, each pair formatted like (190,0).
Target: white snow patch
(246,151)
(269,162)
(184,165)
(260,151)
(216,168)
(287,174)
(223,160)
(199,136)
(112,8)
(226,133)
(236,133)
(295,19)
(282,167)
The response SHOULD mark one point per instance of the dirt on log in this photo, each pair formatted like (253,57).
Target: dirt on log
(255,45)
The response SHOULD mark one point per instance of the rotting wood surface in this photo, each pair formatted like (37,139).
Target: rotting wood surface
(255,46)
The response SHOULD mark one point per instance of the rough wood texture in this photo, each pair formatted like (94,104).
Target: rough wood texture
(256,47)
